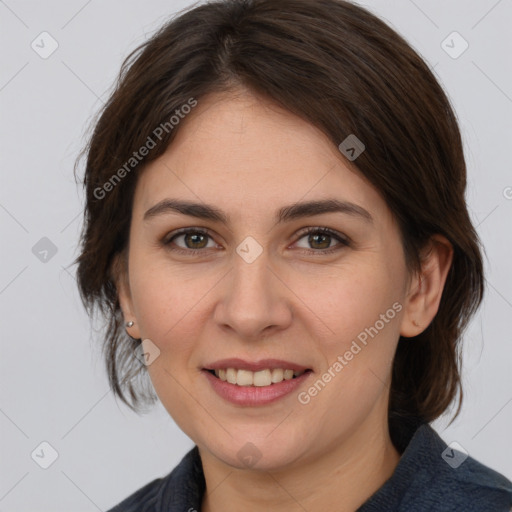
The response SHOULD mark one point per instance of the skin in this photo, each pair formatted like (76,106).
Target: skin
(294,302)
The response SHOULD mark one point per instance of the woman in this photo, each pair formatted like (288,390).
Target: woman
(277,234)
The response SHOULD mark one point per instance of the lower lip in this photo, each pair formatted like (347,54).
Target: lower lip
(254,395)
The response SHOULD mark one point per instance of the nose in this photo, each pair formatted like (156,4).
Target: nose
(254,300)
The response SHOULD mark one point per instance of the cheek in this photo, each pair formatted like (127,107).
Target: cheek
(364,314)
(178,397)
(166,297)
(352,300)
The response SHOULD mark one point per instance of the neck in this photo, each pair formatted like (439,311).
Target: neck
(340,478)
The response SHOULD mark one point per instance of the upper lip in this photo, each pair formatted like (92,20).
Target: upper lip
(263,364)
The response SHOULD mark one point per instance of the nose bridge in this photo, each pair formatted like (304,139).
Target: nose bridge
(253,300)
(251,278)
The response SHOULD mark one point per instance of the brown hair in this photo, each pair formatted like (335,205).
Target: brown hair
(339,67)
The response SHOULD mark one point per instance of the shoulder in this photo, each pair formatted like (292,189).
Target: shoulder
(182,487)
(478,485)
(434,477)
(447,478)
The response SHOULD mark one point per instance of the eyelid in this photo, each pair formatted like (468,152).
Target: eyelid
(343,240)
(326,230)
(167,239)
(173,234)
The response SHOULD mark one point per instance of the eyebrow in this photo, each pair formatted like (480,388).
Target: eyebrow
(284,214)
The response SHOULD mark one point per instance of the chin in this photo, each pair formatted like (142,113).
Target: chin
(258,452)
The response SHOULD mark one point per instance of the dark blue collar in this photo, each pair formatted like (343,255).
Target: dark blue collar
(430,476)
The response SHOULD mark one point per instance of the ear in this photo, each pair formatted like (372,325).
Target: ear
(119,275)
(426,287)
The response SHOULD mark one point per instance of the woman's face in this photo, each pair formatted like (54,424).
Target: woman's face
(258,286)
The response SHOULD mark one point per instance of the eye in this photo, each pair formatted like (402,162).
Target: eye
(194,239)
(320,240)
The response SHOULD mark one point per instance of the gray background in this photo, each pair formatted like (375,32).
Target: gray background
(53,386)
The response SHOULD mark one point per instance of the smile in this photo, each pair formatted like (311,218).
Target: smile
(259,378)
(256,388)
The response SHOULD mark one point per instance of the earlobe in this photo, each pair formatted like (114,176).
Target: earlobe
(119,274)
(426,288)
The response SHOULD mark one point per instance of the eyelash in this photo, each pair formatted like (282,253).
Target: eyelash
(344,241)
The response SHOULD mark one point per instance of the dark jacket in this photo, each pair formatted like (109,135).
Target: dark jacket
(430,476)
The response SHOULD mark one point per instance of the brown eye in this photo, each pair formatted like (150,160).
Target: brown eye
(195,240)
(319,240)
(323,240)
(189,241)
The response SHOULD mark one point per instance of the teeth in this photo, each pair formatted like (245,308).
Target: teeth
(259,378)
(231,375)
(244,378)
(277,375)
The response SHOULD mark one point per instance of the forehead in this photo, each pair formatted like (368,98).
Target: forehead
(245,153)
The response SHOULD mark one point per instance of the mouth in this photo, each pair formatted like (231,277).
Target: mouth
(263,386)
(261,378)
